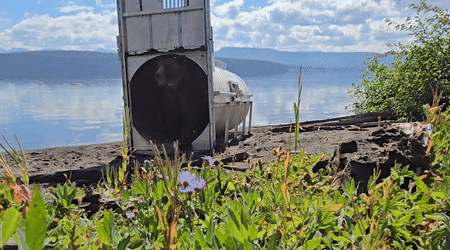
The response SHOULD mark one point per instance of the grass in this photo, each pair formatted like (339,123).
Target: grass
(282,205)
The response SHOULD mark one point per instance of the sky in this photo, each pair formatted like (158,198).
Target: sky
(286,25)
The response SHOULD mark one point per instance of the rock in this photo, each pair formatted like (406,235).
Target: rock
(380,151)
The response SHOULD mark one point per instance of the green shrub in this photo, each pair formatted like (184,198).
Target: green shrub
(441,144)
(404,86)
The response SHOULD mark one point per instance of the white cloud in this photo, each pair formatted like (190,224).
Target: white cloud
(109,6)
(99,3)
(82,30)
(72,8)
(7,42)
(72,47)
(230,9)
(378,26)
(307,34)
(348,30)
(224,43)
(293,25)
(4,21)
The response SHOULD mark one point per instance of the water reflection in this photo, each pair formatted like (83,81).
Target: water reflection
(324,95)
(48,114)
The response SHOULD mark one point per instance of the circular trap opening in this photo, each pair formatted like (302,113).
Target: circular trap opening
(169,100)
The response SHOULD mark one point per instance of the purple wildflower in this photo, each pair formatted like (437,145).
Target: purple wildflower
(187,190)
(210,160)
(130,215)
(137,200)
(198,185)
(189,183)
(184,177)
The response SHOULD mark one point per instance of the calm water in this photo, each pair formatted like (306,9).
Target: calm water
(62,113)
(324,95)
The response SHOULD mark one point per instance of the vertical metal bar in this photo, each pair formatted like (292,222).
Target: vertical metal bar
(243,123)
(179,26)
(250,118)
(124,44)
(209,68)
(236,113)
(245,118)
(213,129)
(150,31)
(227,115)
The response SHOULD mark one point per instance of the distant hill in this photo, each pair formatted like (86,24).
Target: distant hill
(253,68)
(59,65)
(37,65)
(304,58)
(245,62)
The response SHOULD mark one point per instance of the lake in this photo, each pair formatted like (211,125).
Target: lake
(57,113)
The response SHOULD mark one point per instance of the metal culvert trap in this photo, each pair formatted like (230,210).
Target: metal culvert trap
(169,100)
(171,85)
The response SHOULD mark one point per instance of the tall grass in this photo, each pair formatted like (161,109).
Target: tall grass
(19,159)
(297,108)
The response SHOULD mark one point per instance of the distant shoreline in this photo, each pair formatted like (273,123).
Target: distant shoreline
(88,65)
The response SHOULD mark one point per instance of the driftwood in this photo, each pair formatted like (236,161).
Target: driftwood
(352,121)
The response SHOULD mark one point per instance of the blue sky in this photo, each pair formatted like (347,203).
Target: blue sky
(288,25)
